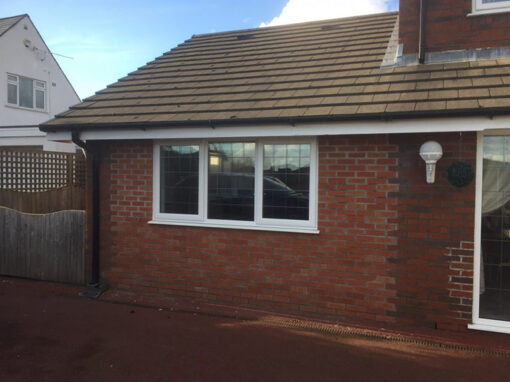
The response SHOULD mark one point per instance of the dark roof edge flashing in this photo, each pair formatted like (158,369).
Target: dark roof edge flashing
(489,113)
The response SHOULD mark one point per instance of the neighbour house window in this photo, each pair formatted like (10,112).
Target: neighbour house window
(257,184)
(489,6)
(26,92)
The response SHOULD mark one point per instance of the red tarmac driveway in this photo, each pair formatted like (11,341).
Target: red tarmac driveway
(48,333)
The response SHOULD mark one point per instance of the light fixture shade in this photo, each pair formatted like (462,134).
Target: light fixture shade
(431,152)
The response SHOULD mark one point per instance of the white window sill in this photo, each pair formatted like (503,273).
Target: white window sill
(485,12)
(251,227)
(490,328)
(25,108)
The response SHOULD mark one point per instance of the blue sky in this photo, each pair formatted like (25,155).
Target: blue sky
(110,38)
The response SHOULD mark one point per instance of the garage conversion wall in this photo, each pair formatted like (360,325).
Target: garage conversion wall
(391,248)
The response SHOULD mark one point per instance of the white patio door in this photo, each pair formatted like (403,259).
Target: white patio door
(491,303)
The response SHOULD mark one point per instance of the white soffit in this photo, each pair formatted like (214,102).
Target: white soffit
(429,125)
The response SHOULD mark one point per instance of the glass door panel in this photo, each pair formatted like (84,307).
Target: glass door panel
(495,227)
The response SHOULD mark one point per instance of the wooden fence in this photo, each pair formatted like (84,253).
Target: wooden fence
(44,247)
(41,181)
(36,241)
(44,202)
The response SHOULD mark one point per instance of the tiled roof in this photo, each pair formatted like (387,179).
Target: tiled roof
(7,22)
(326,70)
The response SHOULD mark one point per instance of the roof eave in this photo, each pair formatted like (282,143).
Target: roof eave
(487,112)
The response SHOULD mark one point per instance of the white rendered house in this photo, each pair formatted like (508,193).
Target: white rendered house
(33,87)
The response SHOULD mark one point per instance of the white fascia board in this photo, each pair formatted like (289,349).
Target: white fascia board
(21,132)
(429,125)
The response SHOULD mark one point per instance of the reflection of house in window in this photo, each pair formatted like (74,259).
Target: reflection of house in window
(214,159)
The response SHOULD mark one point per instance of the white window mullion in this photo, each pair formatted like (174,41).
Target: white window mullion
(204,179)
(259,180)
(33,93)
(314,181)
(156,181)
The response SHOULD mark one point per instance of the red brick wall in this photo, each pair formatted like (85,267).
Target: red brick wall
(434,262)
(384,253)
(448,28)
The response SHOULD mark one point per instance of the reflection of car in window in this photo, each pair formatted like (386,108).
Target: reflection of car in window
(231,197)
(283,202)
(181,197)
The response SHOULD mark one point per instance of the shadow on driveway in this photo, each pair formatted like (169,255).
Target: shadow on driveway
(48,333)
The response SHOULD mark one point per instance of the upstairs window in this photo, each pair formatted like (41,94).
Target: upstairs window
(491,6)
(26,92)
(253,184)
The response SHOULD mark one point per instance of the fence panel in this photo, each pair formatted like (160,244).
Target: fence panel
(44,247)
(36,241)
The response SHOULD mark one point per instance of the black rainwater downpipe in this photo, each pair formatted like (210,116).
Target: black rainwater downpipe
(93,289)
(423,17)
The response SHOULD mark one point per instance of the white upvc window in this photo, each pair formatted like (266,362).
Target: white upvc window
(26,92)
(490,6)
(260,184)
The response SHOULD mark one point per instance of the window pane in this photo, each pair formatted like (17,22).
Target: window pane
(12,94)
(286,181)
(26,92)
(179,179)
(39,99)
(231,181)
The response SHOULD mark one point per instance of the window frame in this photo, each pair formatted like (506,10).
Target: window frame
(35,88)
(498,7)
(259,223)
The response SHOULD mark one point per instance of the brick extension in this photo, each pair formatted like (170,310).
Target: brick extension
(392,249)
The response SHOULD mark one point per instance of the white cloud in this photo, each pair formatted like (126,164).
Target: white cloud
(296,11)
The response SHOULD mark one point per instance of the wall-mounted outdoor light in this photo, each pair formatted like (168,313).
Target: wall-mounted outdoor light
(431,152)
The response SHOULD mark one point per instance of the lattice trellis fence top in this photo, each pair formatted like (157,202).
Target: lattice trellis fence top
(25,170)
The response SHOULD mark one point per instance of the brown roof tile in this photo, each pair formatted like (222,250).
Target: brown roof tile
(371,108)
(430,105)
(495,102)
(462,104)
(414,96)
(400,107)
(326,69)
